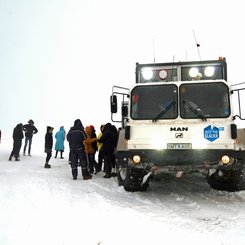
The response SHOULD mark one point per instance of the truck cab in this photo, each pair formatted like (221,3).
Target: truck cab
(179,118)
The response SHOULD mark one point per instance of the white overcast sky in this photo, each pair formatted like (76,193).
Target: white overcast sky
(60,58)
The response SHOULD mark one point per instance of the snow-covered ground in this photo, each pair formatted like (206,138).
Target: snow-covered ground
(46,206)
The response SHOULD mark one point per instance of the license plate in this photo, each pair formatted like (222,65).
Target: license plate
(179,146)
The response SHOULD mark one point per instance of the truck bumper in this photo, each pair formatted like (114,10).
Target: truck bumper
(181,159)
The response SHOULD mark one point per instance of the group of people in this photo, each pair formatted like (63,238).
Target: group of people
(83,144)
(29,129)
(59,145)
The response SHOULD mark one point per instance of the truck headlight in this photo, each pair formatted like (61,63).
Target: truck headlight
(226,160)
(136,159)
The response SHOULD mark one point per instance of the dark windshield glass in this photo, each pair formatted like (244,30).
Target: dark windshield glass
(205,100)
(156,101)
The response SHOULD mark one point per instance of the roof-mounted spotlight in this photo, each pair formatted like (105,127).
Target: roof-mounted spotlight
(193,72)
(147,73)
(209,71)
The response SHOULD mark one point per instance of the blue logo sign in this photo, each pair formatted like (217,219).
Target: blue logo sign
(211,133)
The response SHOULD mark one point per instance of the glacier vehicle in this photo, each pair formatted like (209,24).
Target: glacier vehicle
(179,117)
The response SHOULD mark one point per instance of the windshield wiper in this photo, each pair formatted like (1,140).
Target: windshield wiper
(165,109)
(199,114)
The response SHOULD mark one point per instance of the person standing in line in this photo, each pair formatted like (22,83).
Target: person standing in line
(89,150)
(29,130)
(59,144)
(107,149)
(94,144)
(17,137)
(75,137)
(48,145)
(114,132)
(100,153)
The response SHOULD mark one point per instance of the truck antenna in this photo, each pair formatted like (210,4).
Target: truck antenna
(197,45)
(153,46)
(172,68)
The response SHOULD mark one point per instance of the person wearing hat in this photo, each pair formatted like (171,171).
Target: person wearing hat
(29,130)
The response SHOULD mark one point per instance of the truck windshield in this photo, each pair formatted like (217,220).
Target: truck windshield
(204,100)
(153,102)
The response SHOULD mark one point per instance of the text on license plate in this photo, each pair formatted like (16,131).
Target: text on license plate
(179,146)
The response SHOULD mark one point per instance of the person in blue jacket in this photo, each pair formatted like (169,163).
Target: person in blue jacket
(59,144)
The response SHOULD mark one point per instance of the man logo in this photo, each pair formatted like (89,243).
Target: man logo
(179,129)
(178,135)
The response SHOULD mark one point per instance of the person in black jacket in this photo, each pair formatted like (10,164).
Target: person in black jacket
(75,137)
(114,132)
(107,149)
(29,130)
(17,136)
(48,145)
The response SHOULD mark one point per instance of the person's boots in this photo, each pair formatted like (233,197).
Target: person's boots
(56,154)
(113,173)
(61,157)
(107,175)
(47,165)
(97,171)
(74,173)
(10,158)
(86,175)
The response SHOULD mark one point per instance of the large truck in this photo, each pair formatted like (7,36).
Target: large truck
(179,118)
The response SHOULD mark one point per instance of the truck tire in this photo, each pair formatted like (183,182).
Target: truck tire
(226,180)
(131,178)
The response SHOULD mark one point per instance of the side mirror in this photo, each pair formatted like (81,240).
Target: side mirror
(124,111)
(113,103)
